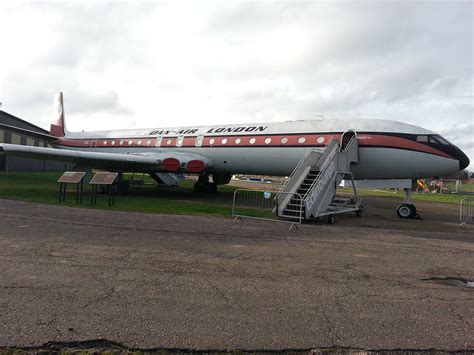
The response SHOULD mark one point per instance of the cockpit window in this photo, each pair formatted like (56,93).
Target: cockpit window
(442,140)
(434,139)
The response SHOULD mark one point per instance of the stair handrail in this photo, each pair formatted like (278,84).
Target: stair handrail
(294,171)
(299,165)
(323,167)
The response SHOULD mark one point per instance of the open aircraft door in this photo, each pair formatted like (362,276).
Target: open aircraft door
(346,138)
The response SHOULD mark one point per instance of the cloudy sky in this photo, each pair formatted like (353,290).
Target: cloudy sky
(132,64)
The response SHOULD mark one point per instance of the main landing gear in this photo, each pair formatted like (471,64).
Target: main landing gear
(203,184)
(407,210)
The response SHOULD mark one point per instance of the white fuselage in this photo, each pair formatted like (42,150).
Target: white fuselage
(388,149)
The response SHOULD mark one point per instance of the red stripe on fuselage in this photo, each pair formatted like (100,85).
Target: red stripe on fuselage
(249,141)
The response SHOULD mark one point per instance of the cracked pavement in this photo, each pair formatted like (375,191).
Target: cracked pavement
(193,282)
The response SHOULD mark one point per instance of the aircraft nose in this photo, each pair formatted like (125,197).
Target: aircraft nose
(463,159)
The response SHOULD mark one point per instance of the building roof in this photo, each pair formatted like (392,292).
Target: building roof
(10,120)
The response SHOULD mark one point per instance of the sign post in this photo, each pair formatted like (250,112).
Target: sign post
(71,177)
(107,179)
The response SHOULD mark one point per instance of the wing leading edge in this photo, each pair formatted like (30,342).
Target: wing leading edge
(146,162)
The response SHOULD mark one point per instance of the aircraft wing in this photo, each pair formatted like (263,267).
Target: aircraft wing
(158,162)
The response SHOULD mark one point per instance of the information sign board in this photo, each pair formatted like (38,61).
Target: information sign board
(103,178)
(72,177)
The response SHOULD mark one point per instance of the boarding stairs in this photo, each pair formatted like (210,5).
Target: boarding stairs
(310,191)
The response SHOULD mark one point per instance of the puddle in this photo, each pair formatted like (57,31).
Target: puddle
(451,281)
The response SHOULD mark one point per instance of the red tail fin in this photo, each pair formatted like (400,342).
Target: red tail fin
(58,124)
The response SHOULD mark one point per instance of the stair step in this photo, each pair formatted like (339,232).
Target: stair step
(294,208)
(292,212)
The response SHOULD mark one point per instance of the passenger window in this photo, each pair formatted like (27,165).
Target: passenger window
(199,141)
(433,140)
(422,139)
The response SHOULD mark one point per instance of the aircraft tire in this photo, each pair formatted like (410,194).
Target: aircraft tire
(199,186)
(211,188)
(205,187)
(406,211)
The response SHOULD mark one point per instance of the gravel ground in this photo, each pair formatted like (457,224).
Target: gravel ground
(186,282)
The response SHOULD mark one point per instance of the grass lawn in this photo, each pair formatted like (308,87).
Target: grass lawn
(444,198)
(43,188)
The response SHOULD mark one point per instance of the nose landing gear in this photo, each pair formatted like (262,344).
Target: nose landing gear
(407,210)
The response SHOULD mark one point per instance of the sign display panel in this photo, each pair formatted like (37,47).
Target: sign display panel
(104,178)
(72,177)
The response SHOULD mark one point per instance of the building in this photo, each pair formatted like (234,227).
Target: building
(14,130)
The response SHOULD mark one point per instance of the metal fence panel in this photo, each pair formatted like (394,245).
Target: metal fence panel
(466,211)
(259,204)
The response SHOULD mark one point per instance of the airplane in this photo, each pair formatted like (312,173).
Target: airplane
(387,149)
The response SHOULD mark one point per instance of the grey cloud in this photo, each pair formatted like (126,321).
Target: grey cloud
(360,38)
(241,19)
(84,32)
(43,83)
(81,101)
(462,134)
